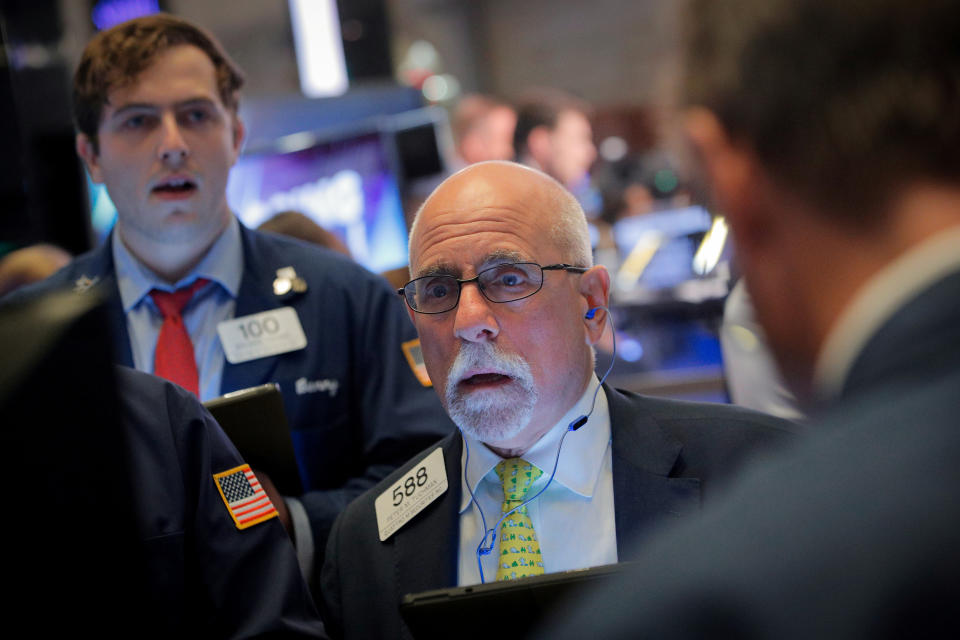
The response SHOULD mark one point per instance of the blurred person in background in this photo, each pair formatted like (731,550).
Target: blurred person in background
(297,225)
(30,264)
(638,184)
(829,132)
(554,134)
(483,129)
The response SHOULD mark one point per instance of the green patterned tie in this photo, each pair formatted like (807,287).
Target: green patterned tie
(519,551)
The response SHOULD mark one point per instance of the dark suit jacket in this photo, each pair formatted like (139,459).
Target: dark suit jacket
(854,534)
(348,439)
(667,457)
(203,576)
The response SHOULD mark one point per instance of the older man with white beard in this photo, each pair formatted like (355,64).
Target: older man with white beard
(508,305)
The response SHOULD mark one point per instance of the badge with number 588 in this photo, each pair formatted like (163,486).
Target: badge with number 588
(420,485)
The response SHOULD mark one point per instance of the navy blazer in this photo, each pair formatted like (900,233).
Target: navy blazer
(667,457)
(203,575)
(346,438)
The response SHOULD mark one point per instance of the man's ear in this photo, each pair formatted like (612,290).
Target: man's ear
(87,151)
(732,171)
(595,289)
(239,135)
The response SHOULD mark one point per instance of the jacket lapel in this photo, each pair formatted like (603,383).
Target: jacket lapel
(255,295)
(122,352)
(426,549)
(645,490)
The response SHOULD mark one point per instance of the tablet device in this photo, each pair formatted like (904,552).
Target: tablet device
(255,421)
(482,610)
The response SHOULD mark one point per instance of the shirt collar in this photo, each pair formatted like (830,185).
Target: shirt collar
(877,301)
(223,264)
(581,460)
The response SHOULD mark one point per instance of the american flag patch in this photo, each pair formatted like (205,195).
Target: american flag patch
(246,500)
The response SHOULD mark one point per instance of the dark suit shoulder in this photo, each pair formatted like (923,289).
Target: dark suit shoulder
(712,441)
(157,409)
(683,416)
(88,266)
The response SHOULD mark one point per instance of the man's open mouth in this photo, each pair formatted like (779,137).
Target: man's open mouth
(482,379)
(175,187)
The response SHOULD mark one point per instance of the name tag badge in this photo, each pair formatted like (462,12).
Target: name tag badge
(261,334)
(422,484)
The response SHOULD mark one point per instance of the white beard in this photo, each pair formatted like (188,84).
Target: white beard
(491,415)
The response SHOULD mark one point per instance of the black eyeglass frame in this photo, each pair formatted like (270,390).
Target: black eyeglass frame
(550,267)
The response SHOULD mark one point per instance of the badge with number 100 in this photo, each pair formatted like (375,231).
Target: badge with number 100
(259,335)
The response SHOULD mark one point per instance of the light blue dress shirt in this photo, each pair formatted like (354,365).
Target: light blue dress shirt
(211,305)
(574,518)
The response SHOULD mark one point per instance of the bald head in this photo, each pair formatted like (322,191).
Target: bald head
(536,205)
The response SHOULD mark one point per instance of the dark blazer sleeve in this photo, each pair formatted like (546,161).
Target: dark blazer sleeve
(219,581)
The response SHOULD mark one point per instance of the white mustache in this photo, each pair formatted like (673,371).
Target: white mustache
(485,355)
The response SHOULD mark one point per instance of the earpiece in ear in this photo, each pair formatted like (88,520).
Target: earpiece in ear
(591,313)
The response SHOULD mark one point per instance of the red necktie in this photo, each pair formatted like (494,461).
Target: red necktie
(173,358)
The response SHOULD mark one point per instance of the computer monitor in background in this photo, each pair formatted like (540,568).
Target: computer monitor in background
(670,274)
(345,184)
(675,254)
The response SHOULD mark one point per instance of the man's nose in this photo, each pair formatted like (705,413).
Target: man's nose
(173,148)
(474,321)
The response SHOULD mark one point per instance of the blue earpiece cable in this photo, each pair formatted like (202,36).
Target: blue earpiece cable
(485,549)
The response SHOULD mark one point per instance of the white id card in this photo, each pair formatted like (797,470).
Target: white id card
(420,485)
(261,334)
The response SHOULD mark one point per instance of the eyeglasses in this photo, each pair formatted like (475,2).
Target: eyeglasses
(502,283)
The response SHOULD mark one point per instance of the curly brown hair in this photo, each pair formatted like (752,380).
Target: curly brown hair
(116,57)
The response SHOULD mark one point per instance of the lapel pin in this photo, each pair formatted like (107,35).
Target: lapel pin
(287,281)
(84,282)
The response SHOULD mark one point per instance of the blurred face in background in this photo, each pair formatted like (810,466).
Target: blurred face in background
(572,151)
(491,138)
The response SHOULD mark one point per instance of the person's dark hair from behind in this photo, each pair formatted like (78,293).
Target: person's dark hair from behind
(298,225)
(872,102)
(541,107)
(116,57)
